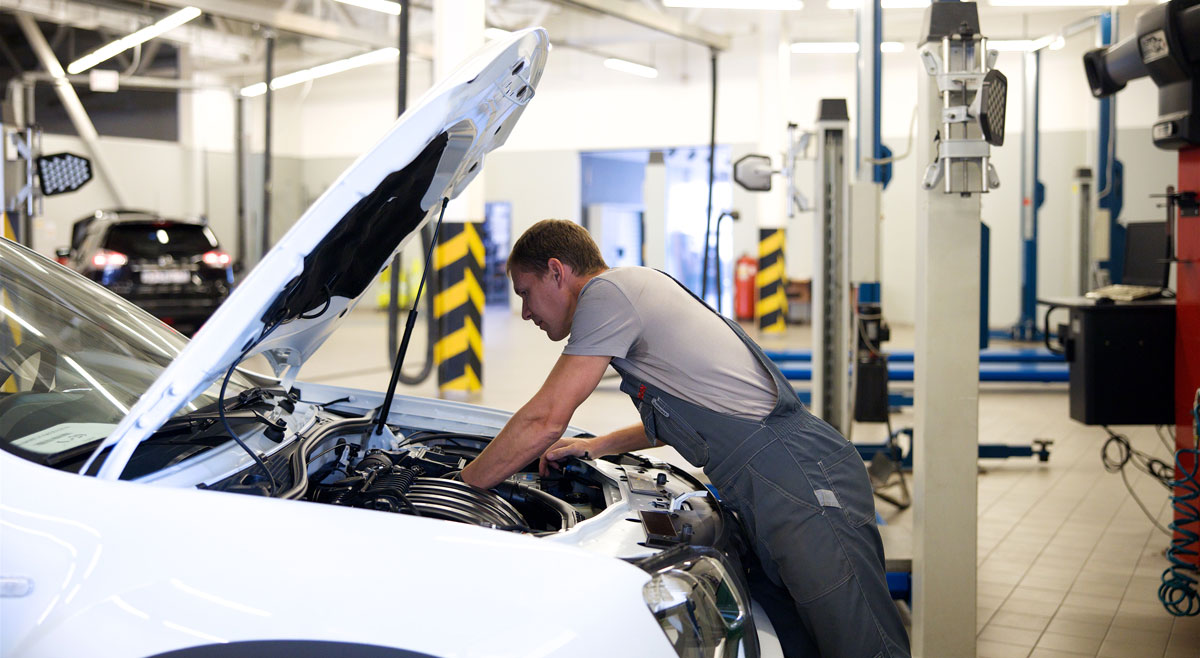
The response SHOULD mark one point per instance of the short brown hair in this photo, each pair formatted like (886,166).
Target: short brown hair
(556,238)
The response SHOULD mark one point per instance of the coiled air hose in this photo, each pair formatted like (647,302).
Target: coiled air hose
(1178,592)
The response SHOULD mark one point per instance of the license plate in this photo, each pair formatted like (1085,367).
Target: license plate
(166,276)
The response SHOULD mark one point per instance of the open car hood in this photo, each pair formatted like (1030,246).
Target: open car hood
(302,289)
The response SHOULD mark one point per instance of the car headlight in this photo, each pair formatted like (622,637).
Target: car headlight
(698,604)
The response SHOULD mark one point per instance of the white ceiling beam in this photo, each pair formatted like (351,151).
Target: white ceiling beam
(639,14)
(286,21)
(214,44)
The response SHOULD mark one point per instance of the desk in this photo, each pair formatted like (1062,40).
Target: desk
(1121,357)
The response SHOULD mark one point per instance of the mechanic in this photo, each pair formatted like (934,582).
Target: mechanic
(702,386)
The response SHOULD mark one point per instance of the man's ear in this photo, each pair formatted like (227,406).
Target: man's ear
(558,270)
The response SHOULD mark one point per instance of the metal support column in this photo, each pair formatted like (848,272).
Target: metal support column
(239,155)
(401,105)
(1032,197)
(831,271)
(1110,172)
(953,107)
(265,228)
(1082,205)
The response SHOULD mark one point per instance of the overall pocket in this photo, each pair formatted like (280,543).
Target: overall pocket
(663,424)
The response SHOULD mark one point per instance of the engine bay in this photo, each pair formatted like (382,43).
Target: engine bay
(418,479)
(341,458)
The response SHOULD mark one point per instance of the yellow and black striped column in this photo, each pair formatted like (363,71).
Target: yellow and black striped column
(772,299)
(459,259)
(10,331)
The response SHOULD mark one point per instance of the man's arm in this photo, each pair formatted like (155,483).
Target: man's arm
(538,424)
(623,440)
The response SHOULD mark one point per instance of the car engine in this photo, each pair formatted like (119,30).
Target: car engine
(419,480)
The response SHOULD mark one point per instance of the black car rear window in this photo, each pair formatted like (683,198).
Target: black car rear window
(154,239)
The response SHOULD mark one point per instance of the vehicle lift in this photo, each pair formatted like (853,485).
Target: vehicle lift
(1166,50)
(1108,178)
(836,339)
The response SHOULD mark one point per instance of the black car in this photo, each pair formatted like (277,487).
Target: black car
(173,268)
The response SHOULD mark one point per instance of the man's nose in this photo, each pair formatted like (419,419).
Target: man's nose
(525,314)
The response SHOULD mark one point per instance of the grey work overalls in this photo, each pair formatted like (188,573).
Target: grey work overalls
(803,493)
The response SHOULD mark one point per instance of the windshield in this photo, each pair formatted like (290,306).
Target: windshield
(149,240)
(74,358)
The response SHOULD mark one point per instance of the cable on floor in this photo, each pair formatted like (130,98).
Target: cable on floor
(1117,453)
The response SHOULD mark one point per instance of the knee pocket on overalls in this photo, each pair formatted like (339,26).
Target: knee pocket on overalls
(798,542)
(847,478)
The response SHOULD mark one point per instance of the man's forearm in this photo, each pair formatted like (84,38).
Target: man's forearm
(524,438)
(623,440)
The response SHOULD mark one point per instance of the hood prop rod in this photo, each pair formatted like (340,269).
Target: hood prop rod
(381,418)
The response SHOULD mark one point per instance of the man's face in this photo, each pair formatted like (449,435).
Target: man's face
(545,301)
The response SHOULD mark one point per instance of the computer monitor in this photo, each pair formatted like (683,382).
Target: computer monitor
(1147,253)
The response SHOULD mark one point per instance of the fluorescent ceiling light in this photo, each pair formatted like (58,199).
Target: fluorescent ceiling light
(629,67)
(1010,45)
(385,6)
(783,5)
(840,47)
(885,4)
(332,68)
(1058,3)
(1052,41)
(136,39)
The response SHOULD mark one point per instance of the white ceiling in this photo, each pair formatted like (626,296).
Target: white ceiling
(567,25)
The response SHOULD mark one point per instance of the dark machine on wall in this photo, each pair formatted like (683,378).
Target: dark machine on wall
(1166,48)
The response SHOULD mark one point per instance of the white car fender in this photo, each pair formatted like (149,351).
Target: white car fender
(125,569)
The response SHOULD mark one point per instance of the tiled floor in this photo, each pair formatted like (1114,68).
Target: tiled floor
(1068,563)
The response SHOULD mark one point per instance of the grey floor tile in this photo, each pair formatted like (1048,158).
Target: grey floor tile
(989,649)
(1010,635)
(1031,607)
(1159,622)
(1182,647)
(1071,643)
(1153,642)
(1040,652)
(1116,649)
(1079,628)
(1033,622)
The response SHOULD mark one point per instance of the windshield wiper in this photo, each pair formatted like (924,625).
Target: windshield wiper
(238,407)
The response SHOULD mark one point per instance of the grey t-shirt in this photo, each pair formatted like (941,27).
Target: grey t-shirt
(657,331)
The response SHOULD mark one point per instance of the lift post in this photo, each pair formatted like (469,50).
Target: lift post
(1033,195)
(960,115)
(831,274)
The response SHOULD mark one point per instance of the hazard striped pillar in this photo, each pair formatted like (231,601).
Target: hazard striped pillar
(771,310)
(10,331)
(458,308)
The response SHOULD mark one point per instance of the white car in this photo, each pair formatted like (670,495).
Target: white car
(155,500)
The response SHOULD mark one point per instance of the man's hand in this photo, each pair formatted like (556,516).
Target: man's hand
(537,425)
(562,449)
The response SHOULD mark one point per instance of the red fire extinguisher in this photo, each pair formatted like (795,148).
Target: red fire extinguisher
(744,275)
